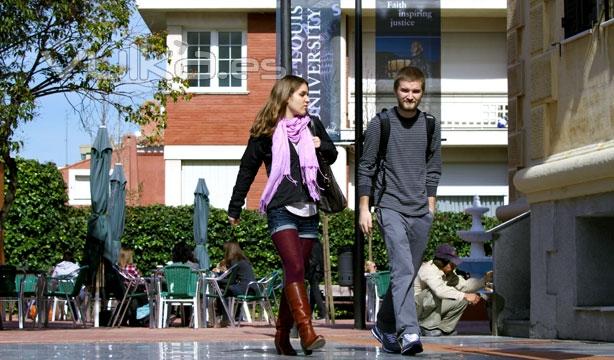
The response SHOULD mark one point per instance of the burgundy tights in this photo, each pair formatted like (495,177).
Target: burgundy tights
(294,253)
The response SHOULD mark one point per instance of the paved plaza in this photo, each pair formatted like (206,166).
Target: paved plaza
(249,341)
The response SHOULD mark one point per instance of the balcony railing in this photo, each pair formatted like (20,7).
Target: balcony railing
(462,112)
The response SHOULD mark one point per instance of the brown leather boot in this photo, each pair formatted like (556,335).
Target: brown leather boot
(283,326)
(297,299)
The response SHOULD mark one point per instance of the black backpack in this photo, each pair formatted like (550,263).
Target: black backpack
(383,145)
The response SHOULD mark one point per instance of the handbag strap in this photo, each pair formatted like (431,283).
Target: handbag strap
(314,132)
(312,127)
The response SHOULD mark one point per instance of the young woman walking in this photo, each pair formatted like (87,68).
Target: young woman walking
(281,138)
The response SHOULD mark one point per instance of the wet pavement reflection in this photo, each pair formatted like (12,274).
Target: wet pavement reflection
(466,347)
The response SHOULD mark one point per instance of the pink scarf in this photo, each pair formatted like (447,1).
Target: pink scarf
(297,131)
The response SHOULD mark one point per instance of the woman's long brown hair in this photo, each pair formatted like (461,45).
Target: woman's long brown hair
(232,252)
(275,107)
(125,257)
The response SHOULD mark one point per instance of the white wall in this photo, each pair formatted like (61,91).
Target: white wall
(474,62)
(219,175)
(473,178)
(79,187)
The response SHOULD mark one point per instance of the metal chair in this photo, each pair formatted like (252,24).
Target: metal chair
(212,291)
(131,287)
(182,289)
(8,289)
(262,292)
(27,290)
(68,288)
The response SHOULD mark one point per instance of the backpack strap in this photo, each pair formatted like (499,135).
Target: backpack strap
(384,134)
(430,130)
(384,121)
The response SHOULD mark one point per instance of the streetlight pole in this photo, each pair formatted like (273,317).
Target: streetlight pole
(285,47)
(359,239)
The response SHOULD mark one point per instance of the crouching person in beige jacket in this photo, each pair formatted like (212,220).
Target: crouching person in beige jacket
(441,295)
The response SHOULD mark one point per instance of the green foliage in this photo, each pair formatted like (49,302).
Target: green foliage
(41,226)
(152,232)
(72,46)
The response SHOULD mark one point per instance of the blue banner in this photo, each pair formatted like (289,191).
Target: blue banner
(315,40)
(408,33)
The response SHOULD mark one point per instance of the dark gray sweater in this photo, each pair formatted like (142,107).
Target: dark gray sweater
(409,177)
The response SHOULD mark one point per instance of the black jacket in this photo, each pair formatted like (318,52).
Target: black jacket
(258,151)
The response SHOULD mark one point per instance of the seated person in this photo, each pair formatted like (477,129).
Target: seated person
(442,295)
(243,274)
(128,267)
(126,262)
(184,254)
(219,268)
(68,266)
(370,267)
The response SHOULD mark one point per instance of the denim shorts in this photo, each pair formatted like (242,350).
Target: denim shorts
(281,219)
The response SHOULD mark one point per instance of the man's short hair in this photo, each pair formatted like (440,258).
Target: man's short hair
(409,73)
(68,256)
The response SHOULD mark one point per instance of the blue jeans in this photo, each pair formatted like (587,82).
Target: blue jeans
(281,219)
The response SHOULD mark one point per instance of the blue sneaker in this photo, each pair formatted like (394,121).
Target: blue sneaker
(410,344)
(389,341)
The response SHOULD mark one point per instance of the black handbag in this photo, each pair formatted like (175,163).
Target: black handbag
(332,199)
(331,196)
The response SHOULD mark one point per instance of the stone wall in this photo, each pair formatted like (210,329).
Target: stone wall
(572,271)
(512,264)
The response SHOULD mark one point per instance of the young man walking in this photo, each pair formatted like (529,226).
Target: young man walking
(401,175)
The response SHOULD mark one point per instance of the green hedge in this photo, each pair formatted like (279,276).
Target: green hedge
(40,227)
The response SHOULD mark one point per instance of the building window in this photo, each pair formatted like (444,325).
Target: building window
(199,59)
(230,44)
(214,60)
(581,15)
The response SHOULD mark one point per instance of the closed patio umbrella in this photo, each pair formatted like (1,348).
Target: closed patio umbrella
(116,214)
(201,216)
(97,226)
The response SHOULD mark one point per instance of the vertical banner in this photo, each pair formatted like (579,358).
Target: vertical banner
(315,31)
(408,33)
